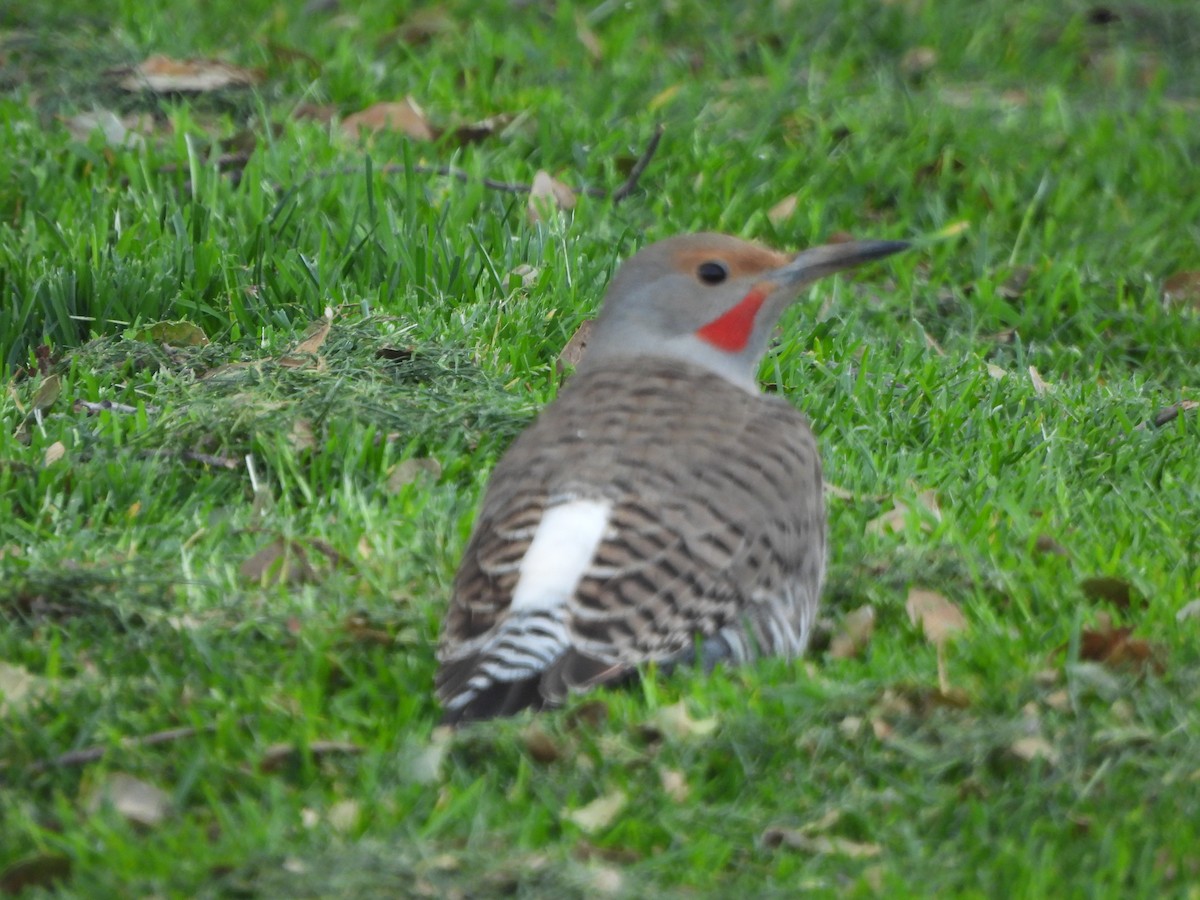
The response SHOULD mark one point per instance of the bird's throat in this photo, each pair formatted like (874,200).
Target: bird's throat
(730,331)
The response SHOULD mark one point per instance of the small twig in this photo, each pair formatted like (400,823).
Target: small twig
(93,409)
(86,755)
(208,459)
(639,167)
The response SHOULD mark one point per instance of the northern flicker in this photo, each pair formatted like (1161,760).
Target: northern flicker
(661,509)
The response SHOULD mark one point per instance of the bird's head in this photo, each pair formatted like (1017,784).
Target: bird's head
(712,299)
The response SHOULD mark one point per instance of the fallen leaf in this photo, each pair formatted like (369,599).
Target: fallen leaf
(174,334)
(280,561)
(894,520)
(1116,648)
(409,470)
(783,210)
(1189,611)
(598,814)
(163,75)
(1034,747)
(134,800)
(48,392)
(42,870)
(675,722)
(426,766)
(344,816)
(572,354)
(54,453)
(674,784)
(18,686)
(423,25)
(1048,546)
(938,618)
(314,336)
(917,61)
(1040,387)
(590,714)
(540,745)
(1182,289)
(301,436)
(818,844)
(280,756)
(856,629)
(587,37)
(1104,587)
(995,371)
(404,116)
(116,135)
(474,132)
(548,196)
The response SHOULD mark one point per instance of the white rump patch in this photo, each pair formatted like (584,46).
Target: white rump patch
(560,552)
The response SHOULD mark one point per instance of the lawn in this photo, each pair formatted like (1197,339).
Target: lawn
(258,362)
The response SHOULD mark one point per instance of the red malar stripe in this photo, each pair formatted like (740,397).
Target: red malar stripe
(731,330)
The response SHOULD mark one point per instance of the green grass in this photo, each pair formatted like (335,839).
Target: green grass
(1069,148)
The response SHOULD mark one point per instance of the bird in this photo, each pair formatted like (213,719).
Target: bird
(662,509)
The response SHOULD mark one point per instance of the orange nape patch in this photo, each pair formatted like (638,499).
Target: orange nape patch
(730,331)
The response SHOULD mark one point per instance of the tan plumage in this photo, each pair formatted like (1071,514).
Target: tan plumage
(675,509)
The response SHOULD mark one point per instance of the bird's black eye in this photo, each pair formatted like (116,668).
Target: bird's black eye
(712,272)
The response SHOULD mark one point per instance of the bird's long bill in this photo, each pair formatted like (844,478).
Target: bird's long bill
(817,262)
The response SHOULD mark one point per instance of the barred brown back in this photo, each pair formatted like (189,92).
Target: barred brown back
(715,543)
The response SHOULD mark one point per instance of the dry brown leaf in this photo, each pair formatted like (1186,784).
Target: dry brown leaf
(674,784)
(1040,387)
(314,336)
(42,870)
(18,686)
(1048,546)
(423,25)
(278,562)
(404,116)
(540,745)
(135,801)
(598,814)
(918,61)
(674,721)
(1034,747)
(48,391)
(344,816)
(895,519)
(937,617)
(280,756)
(1117,648)
(301,436)
(591,714)
(572,354)
(587,37)
(818,844)
(1104,587)
(783,210)
(115,132)
(548,196)
(481,130)
(54,453)
(174,334)
(407,471)
(163,75)
(857,627)
(1182,289)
